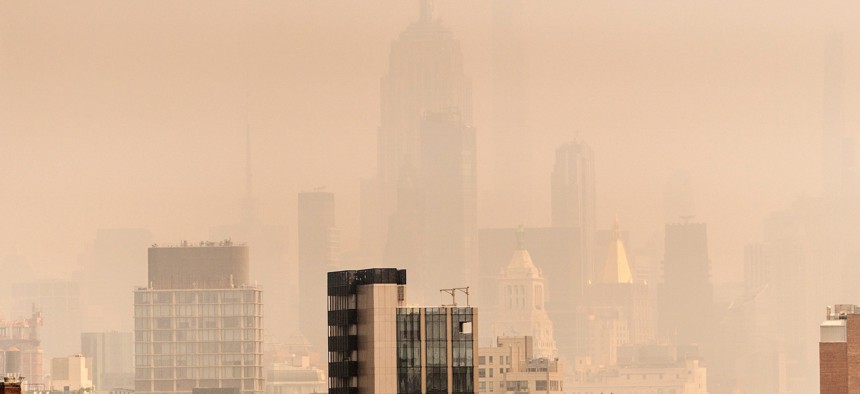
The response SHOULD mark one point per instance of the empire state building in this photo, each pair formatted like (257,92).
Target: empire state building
(426,111)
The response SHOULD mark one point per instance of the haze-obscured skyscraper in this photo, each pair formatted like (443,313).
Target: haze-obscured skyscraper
(116,266)
(318,251)
(573,199)
(198,323)
(113,359)
(686,296)
(425,75)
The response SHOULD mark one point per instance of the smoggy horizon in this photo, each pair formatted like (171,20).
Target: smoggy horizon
(121,115)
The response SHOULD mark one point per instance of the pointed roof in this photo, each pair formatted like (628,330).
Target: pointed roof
(617,268)
(521,265)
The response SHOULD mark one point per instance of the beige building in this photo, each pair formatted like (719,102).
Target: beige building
(652,369)
(522,303)
(379,345)
(510,366)
(73,372)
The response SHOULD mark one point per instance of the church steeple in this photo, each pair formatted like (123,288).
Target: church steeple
(617,267)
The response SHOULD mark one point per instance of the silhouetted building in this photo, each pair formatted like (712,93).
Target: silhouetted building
(377,344)
(425,75)
(686,296)
(573,199)
(199,322)
(113,359)
(318,251)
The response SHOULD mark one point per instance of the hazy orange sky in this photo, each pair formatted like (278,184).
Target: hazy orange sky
(133,114)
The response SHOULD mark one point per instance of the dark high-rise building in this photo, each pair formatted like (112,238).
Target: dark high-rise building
(199,322)
(686,296)
(425,74)
(573,199)
(378,345)
(318,250)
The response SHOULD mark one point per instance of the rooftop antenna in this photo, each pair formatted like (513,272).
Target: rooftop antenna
(453,293)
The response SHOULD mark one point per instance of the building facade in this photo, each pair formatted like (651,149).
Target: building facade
(379,345)
(511,367)
(21,350)
(573,199)
(113,359)
(839,350)
(317,253)
(522,303)
(73,373)
(199,323)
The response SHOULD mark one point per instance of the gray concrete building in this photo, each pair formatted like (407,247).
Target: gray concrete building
(198,324)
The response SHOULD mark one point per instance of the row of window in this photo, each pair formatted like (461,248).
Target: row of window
(198,310)
(144,349)
(248,334)
(166,323)
(162,386)
(199,373)
(504,360)
(202,297)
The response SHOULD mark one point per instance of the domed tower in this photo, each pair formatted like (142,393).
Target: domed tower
(522,310)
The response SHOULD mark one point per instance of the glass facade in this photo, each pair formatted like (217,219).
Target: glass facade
(449,350)
(187,339)
(409,350)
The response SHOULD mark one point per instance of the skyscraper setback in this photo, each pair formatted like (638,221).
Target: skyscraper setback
(425,76)
(573,200)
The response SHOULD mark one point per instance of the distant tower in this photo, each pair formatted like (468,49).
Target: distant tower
(573,199)
(425,74)
(687,287)
(838,145)
(522,299)
(318,253)
(511,137)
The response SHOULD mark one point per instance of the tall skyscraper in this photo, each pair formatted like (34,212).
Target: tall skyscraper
(318,251)
(425,75)
(522,303)
(447,179)
(198,323)
(838,144)
(686,296)
(573,198)
(379,345)
(113,359)
(512,154)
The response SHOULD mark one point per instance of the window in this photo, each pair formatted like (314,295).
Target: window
(482,373)
(482,360)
